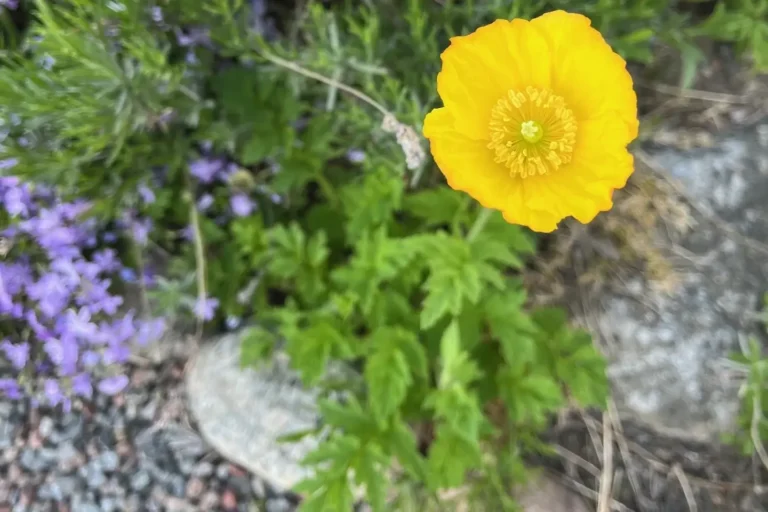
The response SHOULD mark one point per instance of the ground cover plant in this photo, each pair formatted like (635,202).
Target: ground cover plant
(259,165)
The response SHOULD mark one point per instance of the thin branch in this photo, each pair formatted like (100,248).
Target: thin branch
(606,480)
(687,489)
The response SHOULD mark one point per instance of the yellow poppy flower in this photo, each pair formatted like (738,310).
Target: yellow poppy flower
(536,120)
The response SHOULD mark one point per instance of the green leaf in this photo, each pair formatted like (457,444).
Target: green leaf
(453,277)
(373,475)
(371,203)
(582,368)
(511,326)
(311,349)
(450,457)
(437,206)
(256,346)
(333,496)
(456,366)
(401,443)
(529,397)
(349,417)
(388,377)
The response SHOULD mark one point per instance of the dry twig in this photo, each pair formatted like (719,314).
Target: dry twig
(606,480)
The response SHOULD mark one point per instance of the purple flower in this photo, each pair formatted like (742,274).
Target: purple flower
(193,37)
(81,385)
(10,388)
(90,358)
(157,14)
(16,201)
(52,392)
(150,331)
(106,260)
(17,354)
(205,202)
(140,230)
(205,309)
(8,162)
(146,194)
(356,156)
(80,325)
(242,206)
(206,169)
(128,275)
(113,385)
(115,353)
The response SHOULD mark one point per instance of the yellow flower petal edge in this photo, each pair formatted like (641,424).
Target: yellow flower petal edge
(536,120)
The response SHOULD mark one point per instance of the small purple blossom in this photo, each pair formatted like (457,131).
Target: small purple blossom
(8,163)
(17,354)
(146,194)
(241,204)
(206,309)
(205,202)
(206,169)
(140,230)
(10,388)
(356,156)
(81,385)
(113,385)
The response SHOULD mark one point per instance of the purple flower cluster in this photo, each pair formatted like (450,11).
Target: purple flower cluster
(210,170)
(62,331)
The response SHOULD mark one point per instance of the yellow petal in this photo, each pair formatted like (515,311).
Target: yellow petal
(480,68)
(586,72)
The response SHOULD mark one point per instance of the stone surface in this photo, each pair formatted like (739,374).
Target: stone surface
(242,413)
(667,349)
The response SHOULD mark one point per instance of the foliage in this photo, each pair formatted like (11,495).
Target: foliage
(752,423)
(277,203)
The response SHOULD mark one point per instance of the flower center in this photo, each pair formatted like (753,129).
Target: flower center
(532,132)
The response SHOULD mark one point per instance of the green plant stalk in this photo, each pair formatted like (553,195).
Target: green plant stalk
(194,218)
(480,221)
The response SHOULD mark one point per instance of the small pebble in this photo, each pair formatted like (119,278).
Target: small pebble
(222,472)
(195,488)
(278,505)
(108,504)
(110,461)
(94,475)
(229,500)
(140,480)
(203,469)
(209,501)
(258,488)
(45,429)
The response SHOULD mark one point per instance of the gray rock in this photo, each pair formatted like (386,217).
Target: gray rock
(71,426)
(108,504)
(148,411)
(7,432)
(140,480)
(94,475)
(68,457)
(222,471)
(177,485)
(202,469)
(110,461)
(668,349)
(31,461)
(67,485)
(223,397)
(45,429)
(258,488)
(278,505)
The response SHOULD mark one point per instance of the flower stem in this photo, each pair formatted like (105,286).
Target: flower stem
(194,218)
(480,221)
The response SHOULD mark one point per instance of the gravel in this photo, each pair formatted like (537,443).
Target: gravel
(132,452)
